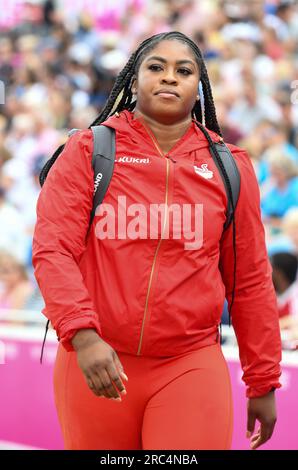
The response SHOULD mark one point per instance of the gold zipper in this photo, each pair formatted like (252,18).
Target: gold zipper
(159,243)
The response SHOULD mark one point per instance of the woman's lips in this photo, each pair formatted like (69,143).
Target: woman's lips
(164,94)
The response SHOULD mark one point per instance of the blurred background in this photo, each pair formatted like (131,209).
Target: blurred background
(58,62)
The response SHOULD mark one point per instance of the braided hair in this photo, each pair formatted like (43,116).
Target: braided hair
(122,86)
(121,98)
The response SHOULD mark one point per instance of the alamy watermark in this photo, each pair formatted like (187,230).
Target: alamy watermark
(2,92)
(135,221)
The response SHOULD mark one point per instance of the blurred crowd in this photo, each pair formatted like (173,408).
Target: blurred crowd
(58,62)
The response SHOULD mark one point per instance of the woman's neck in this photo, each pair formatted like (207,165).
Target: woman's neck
(167,135)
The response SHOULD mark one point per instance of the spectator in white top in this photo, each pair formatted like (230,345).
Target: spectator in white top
(252,108)
(13,238)
(290,226)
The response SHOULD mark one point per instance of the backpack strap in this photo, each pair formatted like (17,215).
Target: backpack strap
(103,159)
(232,171)
(230,167)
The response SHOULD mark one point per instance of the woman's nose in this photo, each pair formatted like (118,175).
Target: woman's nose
(169,77)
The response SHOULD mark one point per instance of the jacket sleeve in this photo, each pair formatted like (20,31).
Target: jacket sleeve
(254,312)
(63,213)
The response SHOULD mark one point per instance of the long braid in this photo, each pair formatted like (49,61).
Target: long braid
(197,112)
(123,84)
(124,76)
(210,115)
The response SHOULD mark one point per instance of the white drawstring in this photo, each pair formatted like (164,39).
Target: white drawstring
(202,102)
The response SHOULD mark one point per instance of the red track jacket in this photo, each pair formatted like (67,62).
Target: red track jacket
(151,296)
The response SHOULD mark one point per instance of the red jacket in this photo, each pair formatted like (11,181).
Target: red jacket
(151,296)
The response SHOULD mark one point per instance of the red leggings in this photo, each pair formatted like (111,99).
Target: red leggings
(181,402)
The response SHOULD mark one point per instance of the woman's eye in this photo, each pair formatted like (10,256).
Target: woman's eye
(155,67)
(158,68)
(185,71)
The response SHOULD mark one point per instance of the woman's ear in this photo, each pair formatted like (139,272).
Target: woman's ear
(134,88)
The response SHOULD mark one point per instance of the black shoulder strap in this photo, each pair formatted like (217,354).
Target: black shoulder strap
(103,159)
(230,167)
(233,175)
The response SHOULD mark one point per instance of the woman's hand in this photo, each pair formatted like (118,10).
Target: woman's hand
(263,409)
(99,363)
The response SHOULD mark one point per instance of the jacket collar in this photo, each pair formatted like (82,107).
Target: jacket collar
(126,123)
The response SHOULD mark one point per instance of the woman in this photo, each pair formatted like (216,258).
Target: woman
(147,308)
(284,275)
(15,285)
(282,193)
(290,228)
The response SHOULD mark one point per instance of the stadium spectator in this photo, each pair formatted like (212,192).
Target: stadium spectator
(283,193)
(284,274)
(13,236)
(290,227)
(15,286)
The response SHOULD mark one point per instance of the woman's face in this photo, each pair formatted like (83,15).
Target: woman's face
(9,273)
(279,175)
(167,83)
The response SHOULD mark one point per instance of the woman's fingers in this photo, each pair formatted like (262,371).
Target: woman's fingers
(110,390)
(251,422)
(102,369)
(95,385)
(102,387)
(114,374)
(120,367)
(262,436)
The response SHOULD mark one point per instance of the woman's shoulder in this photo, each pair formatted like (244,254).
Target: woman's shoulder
(219,139)
(80,136)
(242,158)
(79,141)
(240,154)
(245,166)
(234,148)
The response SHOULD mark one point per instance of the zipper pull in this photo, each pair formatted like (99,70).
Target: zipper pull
(171,158)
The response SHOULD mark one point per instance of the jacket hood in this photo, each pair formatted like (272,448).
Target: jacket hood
(126,123)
